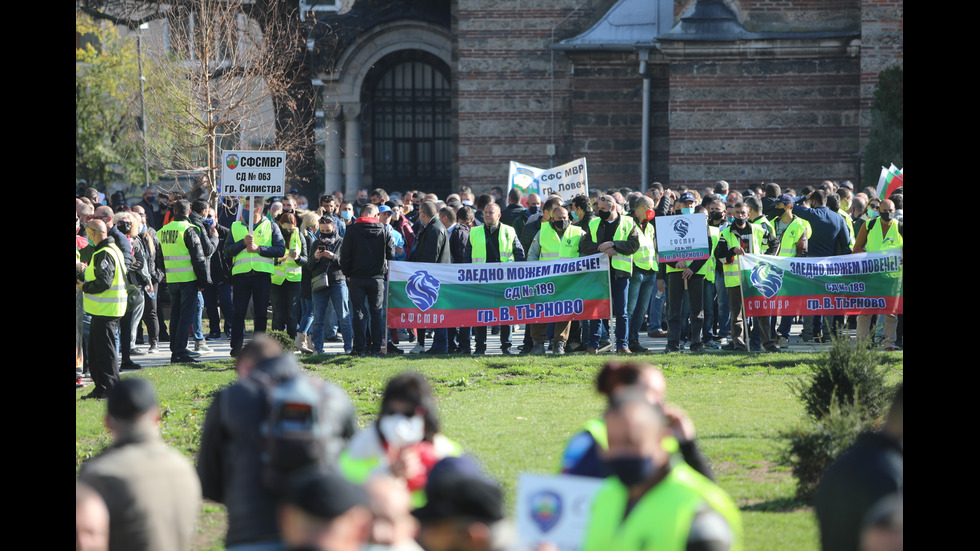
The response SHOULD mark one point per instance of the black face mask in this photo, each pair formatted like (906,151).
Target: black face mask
(326,236)
(604,214)
(740,222)
(716,216)
(124,227)
(631,470)
(532,210)
(559,225)
(884,215)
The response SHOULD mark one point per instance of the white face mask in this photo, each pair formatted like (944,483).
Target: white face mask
(402,430)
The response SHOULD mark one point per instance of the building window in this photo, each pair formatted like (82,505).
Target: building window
(409,107)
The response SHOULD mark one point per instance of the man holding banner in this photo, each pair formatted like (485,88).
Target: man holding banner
(739,238)
(615,236)
(557,239)
(493,242)
(879,234)
(253,255)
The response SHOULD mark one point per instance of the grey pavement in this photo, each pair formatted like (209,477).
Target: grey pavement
(221,348)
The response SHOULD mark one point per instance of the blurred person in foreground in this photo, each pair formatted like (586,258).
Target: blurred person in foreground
(651,502)
(870,470)
(464,509)
(322,511)
(150,490)
(583,454)
(405,441)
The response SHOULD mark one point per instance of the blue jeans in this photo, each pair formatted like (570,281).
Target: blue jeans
(305,315)
(656,310)
(196,322)
(620,293)
(642,286)
(183,307)
(335,298)
(215,296)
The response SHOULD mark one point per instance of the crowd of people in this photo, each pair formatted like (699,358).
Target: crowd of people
(281,450)
(323,268)
(400,483)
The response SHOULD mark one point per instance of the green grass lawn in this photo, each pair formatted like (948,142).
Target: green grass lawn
(516,413)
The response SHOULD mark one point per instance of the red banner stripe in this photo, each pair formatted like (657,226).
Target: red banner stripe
(515,315)
(827,305)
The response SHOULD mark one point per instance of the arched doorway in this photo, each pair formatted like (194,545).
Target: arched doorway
(407,97)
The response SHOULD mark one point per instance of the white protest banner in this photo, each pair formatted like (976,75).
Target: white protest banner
(682,237)
(567,180)
(253,173)
(554,508)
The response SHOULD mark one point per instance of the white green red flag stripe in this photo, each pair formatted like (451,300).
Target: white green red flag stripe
(866,283)
(891,178)
(478,295)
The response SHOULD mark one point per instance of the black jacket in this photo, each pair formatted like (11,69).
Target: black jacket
(432,244)
(229,461)
(459,240)
(366,250)
(331,266)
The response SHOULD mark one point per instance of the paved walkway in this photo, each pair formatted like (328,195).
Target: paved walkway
(221,348)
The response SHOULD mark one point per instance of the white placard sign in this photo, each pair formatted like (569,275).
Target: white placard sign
(567,180)
(554,508)
(253,173)
(682,237)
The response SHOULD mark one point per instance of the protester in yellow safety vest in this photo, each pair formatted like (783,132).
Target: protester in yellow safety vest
(583,456)
(685,277)
(739,238)
(757,218)
(104,298)
(187,274)
(792,234)
(645,267)
(490,243)
(714,282)
(651,502)
(879,234)
(557,239)
(253,263)
(287,278)
(616,236)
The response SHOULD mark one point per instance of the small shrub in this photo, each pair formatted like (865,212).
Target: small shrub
(283,338)
(814,444)
(850,376)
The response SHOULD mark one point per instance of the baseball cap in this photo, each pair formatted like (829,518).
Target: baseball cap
(130,398)
(785,198)
(458,488)
(685,197)
(323,494)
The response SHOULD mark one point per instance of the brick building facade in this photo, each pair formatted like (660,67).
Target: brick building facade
(442,93)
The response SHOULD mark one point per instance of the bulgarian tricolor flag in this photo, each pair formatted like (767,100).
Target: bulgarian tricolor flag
(889,181)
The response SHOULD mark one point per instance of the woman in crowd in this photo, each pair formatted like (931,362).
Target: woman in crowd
(404,441)
(288,276)
(137,278)
(328,287)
